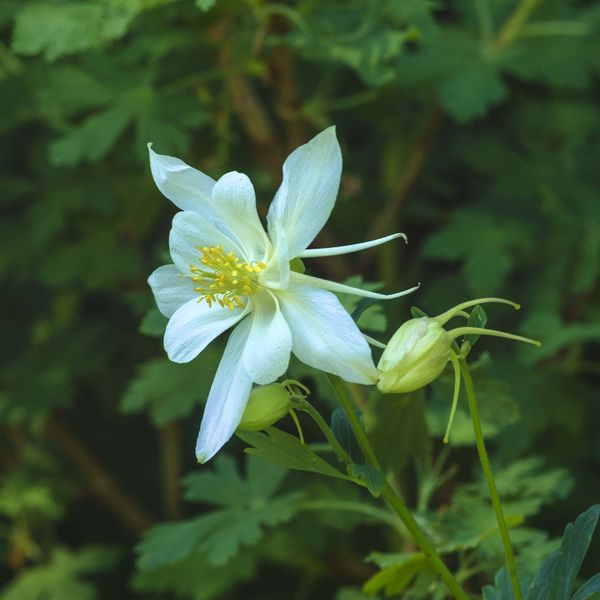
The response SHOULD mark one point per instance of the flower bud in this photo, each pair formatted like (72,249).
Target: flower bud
(266,405)
(414,357)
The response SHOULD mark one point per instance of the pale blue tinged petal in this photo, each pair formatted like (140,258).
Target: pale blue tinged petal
(325,336)
(191,231)
(305,199)
(233,197)
(186,187)
(227,398)
(267,353)
(193,326)
(170,289)
(340,288)
(319,252)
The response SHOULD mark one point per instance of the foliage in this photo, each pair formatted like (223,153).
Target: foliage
(470,126)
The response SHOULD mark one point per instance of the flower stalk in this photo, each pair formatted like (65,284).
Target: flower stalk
(393,499)
(489,478)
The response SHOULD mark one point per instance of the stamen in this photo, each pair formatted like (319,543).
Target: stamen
(226,278)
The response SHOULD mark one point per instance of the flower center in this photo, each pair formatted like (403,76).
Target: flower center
(226,278)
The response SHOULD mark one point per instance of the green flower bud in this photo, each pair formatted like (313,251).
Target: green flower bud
(266,405)
(414,357)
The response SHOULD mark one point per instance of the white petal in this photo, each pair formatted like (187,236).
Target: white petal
(340,288)
(277,274)
(234,199)
(227,398)
(324,334)
(189,231)
(170,289)
(186,187)
(305,199)
(318,252)
(194,326)
(267,353)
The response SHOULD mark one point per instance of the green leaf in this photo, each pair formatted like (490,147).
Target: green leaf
(485,243)
(283,449)
(556,578)
(224,487)
(397,571)
(477,318)
(374,318)
(372,478)
(153,324)
(169,391)
(62,576)
(502,589)
(194,577)
(93,139)
(246,506)
(417,313)
(205,5)
(399,432)
(588,589)
(472,92)
(341,428)
(348,593)
(58,29)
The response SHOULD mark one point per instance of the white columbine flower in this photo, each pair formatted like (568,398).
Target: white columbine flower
(229,272)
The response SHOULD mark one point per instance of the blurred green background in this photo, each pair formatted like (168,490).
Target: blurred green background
(472,126)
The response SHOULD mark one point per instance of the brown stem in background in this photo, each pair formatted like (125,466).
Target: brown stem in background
(245,102)
(385,221)
(98,479)
(170,448)
(289,103)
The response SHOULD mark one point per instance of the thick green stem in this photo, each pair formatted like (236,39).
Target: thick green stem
(393,499)
(489,478)
(513,26)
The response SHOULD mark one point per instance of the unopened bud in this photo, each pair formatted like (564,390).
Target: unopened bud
(414,357)
(266,405)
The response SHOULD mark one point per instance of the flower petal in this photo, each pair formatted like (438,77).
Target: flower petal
(193,326)
(234,199)
(170,289)
(277,274)
(189,231)
(227,398)
(267,353)
(341,288)
(186,187)
(319,252)
(305,199)
(324,334)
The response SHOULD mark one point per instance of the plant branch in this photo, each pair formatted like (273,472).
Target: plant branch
(393,499)
(489,478)
(512,27)
(170,450)
(389,213)
(99,480)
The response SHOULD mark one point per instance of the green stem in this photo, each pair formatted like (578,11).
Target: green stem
(513,26)
(489,478)
(393,499)
(307,407)
(357,507)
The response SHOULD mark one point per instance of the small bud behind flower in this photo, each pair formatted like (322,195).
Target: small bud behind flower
(266,405)
(415,356)
(418,352)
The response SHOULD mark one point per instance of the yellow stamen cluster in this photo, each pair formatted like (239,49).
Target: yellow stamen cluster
(225,278)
